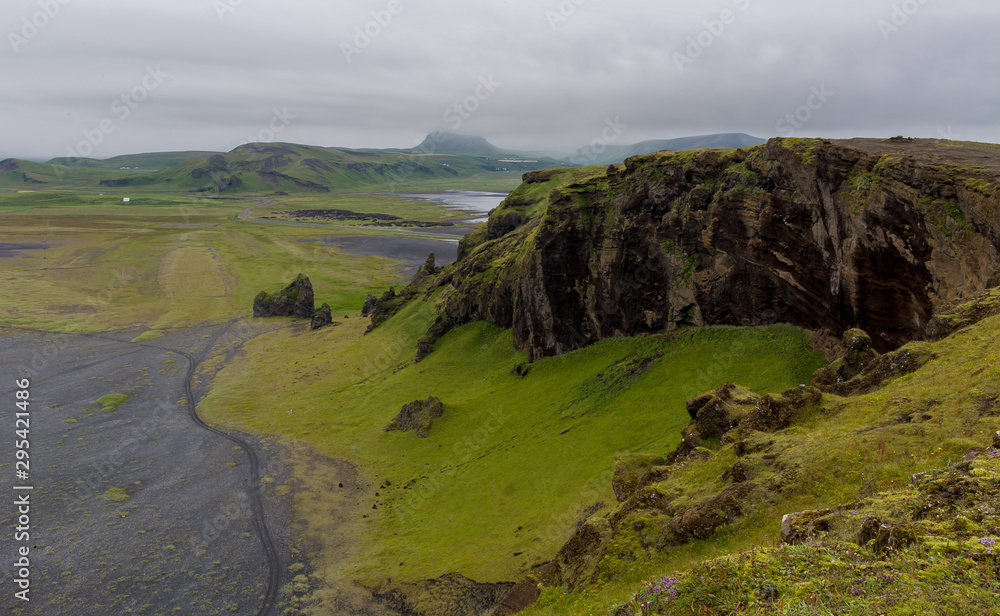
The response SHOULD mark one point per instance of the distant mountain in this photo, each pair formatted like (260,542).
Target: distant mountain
(458,145)
(616,154)
(263,168)
(151,161)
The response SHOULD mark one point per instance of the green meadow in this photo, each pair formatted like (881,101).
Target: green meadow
(160,261)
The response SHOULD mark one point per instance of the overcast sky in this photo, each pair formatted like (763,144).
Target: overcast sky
(107,77)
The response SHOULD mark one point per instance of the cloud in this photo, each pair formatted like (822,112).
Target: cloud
(566,66)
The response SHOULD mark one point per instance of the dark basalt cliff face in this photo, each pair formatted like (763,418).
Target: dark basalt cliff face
(827,235)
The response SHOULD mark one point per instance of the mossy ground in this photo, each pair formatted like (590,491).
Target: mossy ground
(857,453)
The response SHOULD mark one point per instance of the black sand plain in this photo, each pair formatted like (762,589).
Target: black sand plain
(187,539)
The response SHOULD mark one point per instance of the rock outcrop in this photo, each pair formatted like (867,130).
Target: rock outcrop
(448,595)
(862,370)
(822,234)
(295,300)
(322,317)
(380,309)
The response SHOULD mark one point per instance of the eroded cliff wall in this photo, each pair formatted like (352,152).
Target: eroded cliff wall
(826,235)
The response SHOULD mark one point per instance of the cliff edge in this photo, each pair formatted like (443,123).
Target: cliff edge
(826,235)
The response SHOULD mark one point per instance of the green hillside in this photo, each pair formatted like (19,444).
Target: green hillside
(28,175)
(151,161)
(271,168)
(438,511)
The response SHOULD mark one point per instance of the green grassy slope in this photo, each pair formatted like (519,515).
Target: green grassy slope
(862,456)
(513,464)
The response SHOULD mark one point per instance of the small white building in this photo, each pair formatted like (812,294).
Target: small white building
(126,200)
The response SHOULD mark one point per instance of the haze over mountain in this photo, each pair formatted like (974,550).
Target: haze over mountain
(275,167)
(602,153)
(267,167)
(146,160)
(453,143)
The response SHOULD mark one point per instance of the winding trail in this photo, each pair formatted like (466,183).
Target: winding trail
(259,521)
(257,504)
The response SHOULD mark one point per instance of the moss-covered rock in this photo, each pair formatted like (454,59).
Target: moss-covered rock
(629,469)
(417,416)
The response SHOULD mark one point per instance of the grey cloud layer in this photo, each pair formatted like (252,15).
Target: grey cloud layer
(666,69)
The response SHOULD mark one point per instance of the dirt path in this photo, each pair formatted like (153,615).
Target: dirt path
(274,562)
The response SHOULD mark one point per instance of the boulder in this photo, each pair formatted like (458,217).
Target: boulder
(379,310)
(875,373)
(859,355)
(629,470)
(799,527)
(417,416)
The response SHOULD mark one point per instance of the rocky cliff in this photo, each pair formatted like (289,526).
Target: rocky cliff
(827,235)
